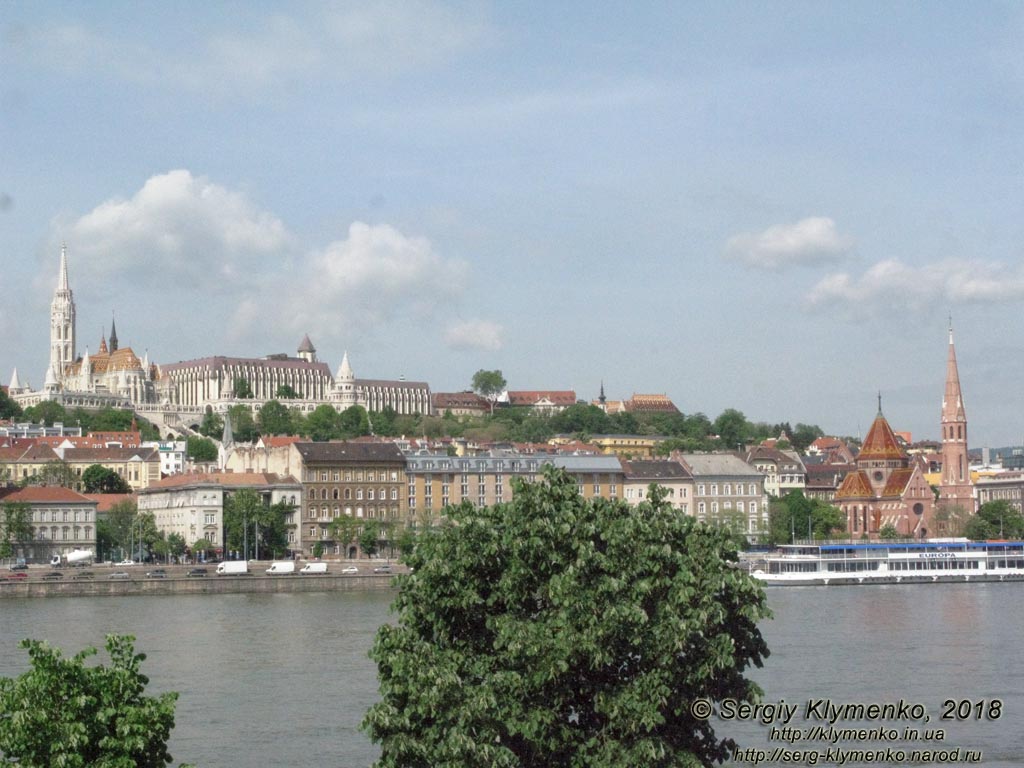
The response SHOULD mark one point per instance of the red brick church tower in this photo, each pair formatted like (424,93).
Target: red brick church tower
(955,487)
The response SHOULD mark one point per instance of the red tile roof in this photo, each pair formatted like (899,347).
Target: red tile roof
(881,443)
(564,397)
(41,493)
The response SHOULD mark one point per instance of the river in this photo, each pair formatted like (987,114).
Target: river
(284,679)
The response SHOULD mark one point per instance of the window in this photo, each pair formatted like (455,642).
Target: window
(312,531)
(323,476)
(312,493)
(359,493)
(323,493)
(369,494)
(700,490)
(334,493)
(348,493)
(337,475)
(727,489)
(714,489)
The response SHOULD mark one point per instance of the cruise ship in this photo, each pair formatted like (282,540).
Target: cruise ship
(903,562)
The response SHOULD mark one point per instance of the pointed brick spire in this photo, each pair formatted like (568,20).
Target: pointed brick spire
(955,485)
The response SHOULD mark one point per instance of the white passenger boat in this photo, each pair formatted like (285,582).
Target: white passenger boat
(907,562)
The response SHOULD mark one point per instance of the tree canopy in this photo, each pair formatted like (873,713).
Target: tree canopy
(99,479)
(795,515)
(555,630)
(15,527)
(489,384)
(995,520)
(64,712)
(201,448)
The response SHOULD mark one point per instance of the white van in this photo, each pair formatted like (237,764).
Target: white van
(314,568)
(282,567)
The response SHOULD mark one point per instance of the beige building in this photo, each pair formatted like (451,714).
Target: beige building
(728,491)
(192,505)
(438,480)
(62,520)
(783,471)
(670,475)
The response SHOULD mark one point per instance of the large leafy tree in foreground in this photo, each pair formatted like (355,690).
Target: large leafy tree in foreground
(62,712)
(560,631)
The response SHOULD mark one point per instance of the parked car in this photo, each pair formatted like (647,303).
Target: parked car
(17,576)
(350,569)
(124,563)
(83,576)
(382,569)
(53,576)
(195,573)
(159,573)
(120,575)
(18,567)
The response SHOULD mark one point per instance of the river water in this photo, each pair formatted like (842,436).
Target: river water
(284,679)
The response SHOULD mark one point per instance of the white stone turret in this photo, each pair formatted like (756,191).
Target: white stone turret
(62,322)
(15,386)
(50,384)
(85,373)
(345,384)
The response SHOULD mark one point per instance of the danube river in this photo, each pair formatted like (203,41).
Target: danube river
(284,679)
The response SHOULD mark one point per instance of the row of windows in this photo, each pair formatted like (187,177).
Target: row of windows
(358,475)
(726,505)
(327,513)
(370,494)
(64,533)
(727,489)
(63,515)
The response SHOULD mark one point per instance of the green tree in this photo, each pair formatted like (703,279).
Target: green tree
(242,389)
(353,422)
(323,423)
(489,385)
(121,527)
(555,630)
(796,515)
(48,412)
(212,424)
(286,392)
(243,425)
(17,528)
(732,428)
(100,479)
(63,712)
(8,408)
(241,509)
(1004,521)
(176,544)
(275,419)
(383,422)
(201,448)
(343,530)
(888,531)
(369,537)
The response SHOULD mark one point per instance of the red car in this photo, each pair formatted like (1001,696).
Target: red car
(17,576)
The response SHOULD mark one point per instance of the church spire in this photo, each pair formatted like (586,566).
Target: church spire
(955,484)
(62,280)
(113,335)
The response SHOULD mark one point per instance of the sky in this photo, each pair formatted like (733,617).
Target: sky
(773,207)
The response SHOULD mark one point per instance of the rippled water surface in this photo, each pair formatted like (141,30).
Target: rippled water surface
(283,680)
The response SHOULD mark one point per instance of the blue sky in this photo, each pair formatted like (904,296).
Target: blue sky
(771,207)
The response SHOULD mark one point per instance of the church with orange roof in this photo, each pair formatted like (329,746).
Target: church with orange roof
(886,488)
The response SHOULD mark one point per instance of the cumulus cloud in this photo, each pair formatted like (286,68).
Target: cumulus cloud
(808,241)
(178,226)
(957,281)
(475,335)
(374,275)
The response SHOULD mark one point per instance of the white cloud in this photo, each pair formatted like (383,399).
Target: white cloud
(955,281)
(373,276)
(178,226)
(808,241)
(475,335)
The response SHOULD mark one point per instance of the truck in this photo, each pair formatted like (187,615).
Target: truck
(75,557)
(281,567)
(233,568)
(314,568)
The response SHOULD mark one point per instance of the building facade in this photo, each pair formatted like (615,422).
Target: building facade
(885,488)
(728,492)
(192,504)
(62,520)
(670,475)
(360,480)
(783,471)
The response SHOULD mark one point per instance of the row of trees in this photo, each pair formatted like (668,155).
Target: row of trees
(50,412)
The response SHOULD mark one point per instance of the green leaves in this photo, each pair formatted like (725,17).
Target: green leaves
(63,713)
(558,631)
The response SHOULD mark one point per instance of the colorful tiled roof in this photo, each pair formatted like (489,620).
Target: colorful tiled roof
(42,494)
(855,486)
(564,397)
(881,443)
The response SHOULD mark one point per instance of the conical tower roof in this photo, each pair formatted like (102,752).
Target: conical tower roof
(15,384)
(306,345)
(952,400)
(113,336)
(345,370)
(62,279)
(881,443)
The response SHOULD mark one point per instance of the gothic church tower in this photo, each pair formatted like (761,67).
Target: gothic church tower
(955,487)
(62,323)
